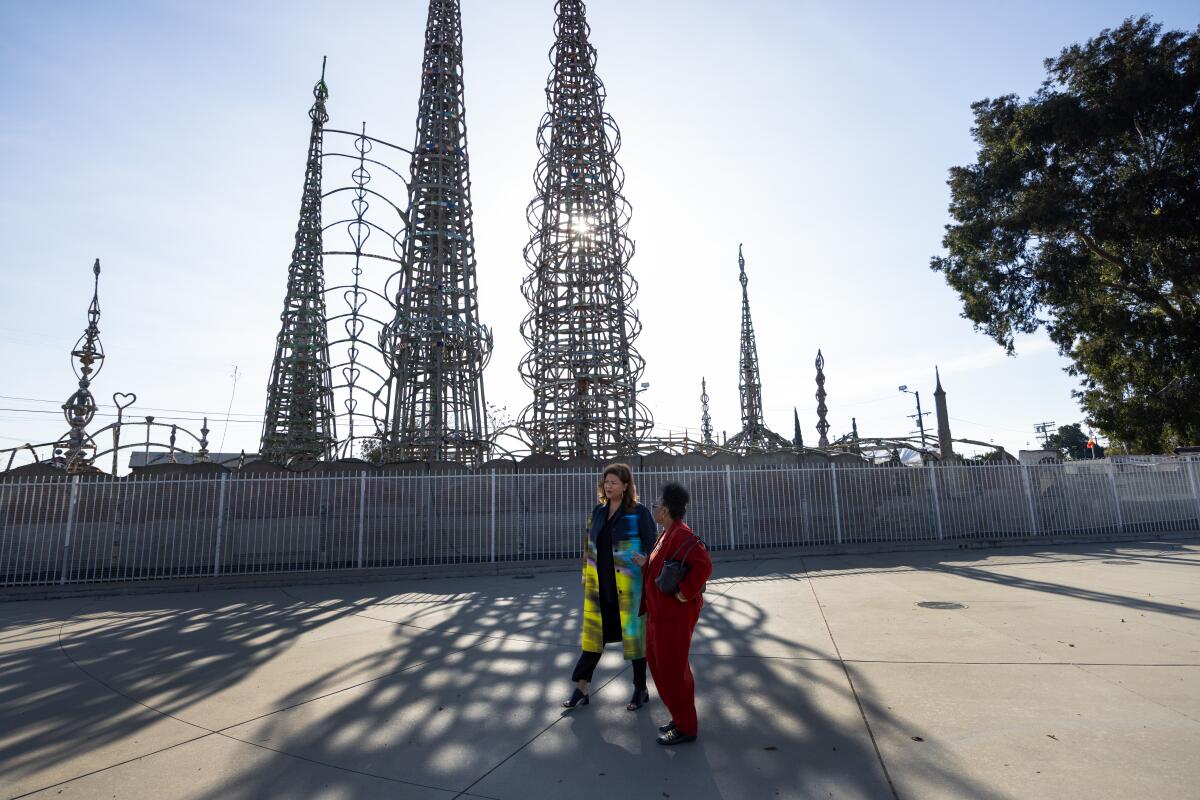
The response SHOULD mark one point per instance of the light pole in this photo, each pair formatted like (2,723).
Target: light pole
(920,416)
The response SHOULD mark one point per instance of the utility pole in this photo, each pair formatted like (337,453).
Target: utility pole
(1043,429)
(920,416)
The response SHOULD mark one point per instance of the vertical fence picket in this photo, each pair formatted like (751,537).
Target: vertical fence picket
(1112,482)
(937,506)
(837,514)
(68,529)
(1033,525)
(216,565)
(729,503)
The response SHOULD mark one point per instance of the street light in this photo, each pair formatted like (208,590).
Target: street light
(920,416)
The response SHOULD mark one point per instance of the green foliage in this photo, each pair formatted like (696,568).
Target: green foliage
(1071,441)
(1082,216)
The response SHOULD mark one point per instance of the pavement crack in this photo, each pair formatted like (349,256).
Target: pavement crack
(850,680)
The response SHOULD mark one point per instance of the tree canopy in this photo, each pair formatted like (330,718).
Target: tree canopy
(1071,441)
(1081,216)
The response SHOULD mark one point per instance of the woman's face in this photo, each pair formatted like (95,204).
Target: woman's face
(661,515)
(614,488)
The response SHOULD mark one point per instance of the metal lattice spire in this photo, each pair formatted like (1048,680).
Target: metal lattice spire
(581,365)
(754,435)
(298,422)
(436,345)
(822,423)
(706,428)
(87,359)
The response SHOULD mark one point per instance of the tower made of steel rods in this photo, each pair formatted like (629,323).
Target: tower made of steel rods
(581,365)
(298,424)
(754,435)
(436,346)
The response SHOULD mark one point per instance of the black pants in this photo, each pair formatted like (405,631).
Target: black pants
(587,662)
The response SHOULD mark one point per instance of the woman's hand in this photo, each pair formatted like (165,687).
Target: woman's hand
(638,558)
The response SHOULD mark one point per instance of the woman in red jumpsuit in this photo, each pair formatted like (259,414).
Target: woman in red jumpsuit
(671,619)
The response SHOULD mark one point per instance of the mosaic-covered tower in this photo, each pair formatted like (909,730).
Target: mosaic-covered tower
(298,424)
(581,365)
(436,346)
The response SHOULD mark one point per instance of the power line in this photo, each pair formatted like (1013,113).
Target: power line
(213,414)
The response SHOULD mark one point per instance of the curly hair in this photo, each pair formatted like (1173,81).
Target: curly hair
(624,475)
(675,498)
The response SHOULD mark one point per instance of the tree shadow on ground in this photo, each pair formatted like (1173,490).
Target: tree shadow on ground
(467,676)
(55,705)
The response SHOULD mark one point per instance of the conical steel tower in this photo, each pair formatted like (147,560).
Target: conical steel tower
(754,435)
(581,365)
(298,423)
(436,346)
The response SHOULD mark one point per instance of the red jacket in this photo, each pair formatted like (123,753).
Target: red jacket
(672,545)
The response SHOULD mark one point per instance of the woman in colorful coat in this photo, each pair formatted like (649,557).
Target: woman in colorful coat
(621,533)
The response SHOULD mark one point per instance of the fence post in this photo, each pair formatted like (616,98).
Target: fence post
(1190,465)
(1033,526)
(493,521)
(837,512)
(937,506)
(1112,482)
(729,502)
(362,515)
(71,504)
(220,526)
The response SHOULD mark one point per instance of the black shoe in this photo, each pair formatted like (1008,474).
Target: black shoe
(577,698)
(674,736)
(670,726)
(640,698)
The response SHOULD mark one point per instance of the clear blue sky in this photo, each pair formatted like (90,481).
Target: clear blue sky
(168,139)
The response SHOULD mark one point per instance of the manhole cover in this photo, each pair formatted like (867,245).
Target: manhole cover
(1120,562)
(941,605)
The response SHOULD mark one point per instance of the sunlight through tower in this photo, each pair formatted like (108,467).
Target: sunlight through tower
(581,365)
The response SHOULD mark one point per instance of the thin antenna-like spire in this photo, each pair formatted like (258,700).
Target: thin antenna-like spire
(754,435)
(87,359)
(706,428)
(822,423)
(298,423)
(797,433)
(436,345)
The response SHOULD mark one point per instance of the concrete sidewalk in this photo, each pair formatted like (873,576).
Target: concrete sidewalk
(1070,672)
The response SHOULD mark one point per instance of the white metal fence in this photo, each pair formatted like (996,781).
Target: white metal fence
(83,529)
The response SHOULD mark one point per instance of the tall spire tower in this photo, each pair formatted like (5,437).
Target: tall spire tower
(754,435)
(436,346)
(945,440)
(581,365)
(298,422)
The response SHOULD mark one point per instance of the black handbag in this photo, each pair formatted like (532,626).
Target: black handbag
(674,570)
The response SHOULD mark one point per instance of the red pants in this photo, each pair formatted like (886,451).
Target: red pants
(668,638)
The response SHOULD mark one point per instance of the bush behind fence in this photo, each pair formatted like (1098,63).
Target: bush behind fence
(83,529)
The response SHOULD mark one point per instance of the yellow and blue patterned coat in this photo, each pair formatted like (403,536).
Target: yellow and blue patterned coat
(635,532)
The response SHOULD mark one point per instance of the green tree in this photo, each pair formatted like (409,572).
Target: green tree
(1082,215)
(1071,441)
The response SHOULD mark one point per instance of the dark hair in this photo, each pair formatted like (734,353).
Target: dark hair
(624,475)
(675,498)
